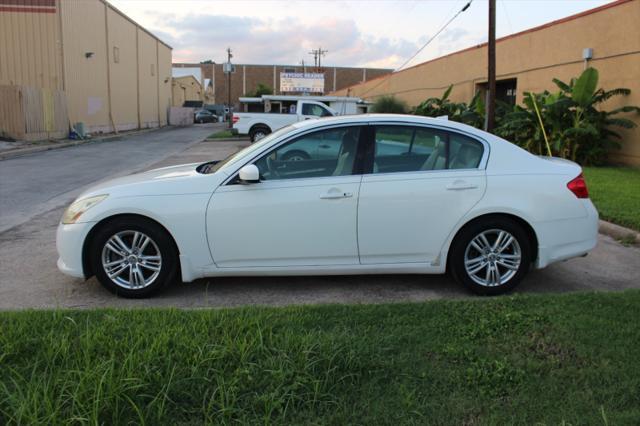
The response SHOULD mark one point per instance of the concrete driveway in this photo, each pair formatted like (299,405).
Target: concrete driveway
(29,278)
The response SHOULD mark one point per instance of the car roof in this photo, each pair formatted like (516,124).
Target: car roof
(388,118)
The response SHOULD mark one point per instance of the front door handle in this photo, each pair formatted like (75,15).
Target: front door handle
(461,185)
(334,195)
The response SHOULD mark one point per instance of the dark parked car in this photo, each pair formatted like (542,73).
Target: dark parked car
(204,116)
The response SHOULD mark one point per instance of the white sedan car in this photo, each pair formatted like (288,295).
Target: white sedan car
(367,194)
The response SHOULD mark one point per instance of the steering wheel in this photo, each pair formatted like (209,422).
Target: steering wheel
(272,168)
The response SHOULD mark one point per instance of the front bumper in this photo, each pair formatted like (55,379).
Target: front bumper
(69,243)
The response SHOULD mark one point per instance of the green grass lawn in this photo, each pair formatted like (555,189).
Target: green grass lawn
(616,193)
(553,359)
(222,134)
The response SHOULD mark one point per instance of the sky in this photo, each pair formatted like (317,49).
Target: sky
(374,33)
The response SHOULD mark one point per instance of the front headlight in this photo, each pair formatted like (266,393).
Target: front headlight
(75,210)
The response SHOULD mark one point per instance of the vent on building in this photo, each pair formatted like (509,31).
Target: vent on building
(116,55)
(153,69)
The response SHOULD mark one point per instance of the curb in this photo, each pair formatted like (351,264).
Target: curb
(19,152)
(226,140)
(618,232)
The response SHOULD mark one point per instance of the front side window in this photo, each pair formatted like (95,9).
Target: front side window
(315,110)
(330,152)
(411,149)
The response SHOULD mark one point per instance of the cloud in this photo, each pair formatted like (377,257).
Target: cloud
(277,41)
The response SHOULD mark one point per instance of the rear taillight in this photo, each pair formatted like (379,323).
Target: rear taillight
(235,119)
(579,187)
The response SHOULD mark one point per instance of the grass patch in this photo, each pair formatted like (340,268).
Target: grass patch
(616,193)
(222,134)
(524,359)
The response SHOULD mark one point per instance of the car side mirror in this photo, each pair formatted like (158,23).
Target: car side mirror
(249,174)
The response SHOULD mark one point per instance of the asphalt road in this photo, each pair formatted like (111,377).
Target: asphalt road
(29,277)
(36,183)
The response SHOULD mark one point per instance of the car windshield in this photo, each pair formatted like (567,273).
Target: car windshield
(242,153)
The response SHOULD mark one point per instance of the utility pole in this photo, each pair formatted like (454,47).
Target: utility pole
(317,57)
(228,71)
(491,48)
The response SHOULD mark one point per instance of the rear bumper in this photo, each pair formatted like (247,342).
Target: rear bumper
(568,238)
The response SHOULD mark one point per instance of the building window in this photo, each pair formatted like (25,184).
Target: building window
(116,55)
(289,70)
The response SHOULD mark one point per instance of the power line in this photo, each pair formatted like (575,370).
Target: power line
(465,7)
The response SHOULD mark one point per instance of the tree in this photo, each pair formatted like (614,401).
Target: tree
(389,104)
(261,89)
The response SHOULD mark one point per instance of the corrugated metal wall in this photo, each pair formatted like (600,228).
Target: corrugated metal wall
(32,113)
(113,72)
(30,49)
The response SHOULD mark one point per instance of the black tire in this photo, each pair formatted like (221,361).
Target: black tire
(295,155)
(488,227)
(160,240)
(257,131)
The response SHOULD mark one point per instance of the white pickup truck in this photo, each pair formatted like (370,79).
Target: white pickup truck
(259,124)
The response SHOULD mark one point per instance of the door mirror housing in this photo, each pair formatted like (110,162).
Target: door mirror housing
(249,174)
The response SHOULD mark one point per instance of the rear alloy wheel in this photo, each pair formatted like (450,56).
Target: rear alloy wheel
(491,257)
(134,259)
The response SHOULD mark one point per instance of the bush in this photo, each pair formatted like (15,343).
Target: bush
(390,105)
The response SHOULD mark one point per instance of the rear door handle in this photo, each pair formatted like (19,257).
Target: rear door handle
(460,185)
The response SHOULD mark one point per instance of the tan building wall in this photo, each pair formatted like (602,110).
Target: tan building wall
(148,80)
(164,82)
(186,88)
(114,73)
(534,57)
(85,63)
(123,83)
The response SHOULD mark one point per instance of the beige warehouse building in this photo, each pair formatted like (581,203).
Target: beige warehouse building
(68,61)
(186,89)
(529,60)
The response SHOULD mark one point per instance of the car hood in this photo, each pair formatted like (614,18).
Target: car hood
(182,179)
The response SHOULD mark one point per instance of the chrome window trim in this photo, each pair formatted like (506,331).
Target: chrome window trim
(481,166)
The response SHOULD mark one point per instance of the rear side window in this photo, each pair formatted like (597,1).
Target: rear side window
(411,149)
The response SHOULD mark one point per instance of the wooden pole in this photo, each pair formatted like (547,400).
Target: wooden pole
(491,104)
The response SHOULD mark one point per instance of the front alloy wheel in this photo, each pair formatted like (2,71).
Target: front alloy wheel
(131,259)
(133,256)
